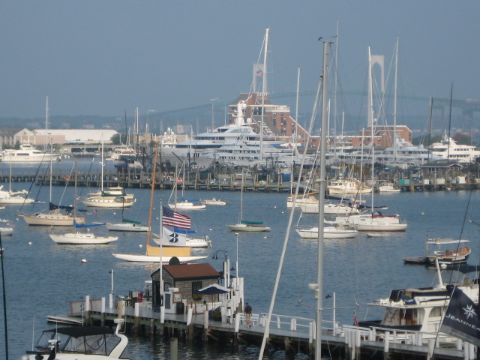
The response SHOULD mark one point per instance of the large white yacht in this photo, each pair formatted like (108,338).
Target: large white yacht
(447,148)
(235,144)
(27,154)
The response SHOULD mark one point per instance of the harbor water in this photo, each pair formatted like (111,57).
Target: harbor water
(43,277)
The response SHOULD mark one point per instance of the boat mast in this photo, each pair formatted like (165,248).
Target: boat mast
(323,152)
(370,116)
(449,122)
(295,134)
(46,117)
(264,89)
(150,208)
(335,84)
(430,116)
(395,104)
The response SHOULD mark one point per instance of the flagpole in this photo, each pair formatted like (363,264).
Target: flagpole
(160,234)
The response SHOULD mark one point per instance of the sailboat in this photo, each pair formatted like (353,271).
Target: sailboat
(159,253)
(111,197)
(13,197)
(247,225)
(78,237)
(183,204)
(127,225)
(57,215)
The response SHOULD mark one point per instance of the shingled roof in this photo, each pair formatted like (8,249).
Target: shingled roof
(191,271)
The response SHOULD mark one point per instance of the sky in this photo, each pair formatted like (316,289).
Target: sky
(102,57)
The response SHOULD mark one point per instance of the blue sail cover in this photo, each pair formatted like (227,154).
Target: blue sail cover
(79,226)
(183,231)
(68,208)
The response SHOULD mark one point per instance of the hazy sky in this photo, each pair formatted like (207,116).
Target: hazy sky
(104,56)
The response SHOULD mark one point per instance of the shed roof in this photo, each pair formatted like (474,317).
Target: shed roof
(190,271)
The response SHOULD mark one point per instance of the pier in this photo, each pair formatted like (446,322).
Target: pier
(287,333)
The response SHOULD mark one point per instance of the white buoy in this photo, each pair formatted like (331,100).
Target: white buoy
(422,213)
(140,246)
(210,229)
(29,243)
(114,213)
(84,261)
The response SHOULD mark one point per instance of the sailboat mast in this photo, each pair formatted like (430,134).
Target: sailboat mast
(4,293)
(372,121)
(264,90)
(395,105)
(50,189)
(323,152)
(295,134)
(150,208)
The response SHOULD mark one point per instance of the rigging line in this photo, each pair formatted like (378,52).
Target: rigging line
(66,183)
(290,220)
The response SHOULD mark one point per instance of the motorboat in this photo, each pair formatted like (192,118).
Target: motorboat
(445,257)
(388,188)
(27,154)
(303,200)
(6,230)
(448,149)
(347,187)
(80,343)
(418,309)
(214,201)
(329,232)
(187,205)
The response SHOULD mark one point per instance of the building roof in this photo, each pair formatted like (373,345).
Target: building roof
(190,271)
(80,135)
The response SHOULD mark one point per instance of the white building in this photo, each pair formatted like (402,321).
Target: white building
(39,137)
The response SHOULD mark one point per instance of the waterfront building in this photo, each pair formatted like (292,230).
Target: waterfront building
(42,137)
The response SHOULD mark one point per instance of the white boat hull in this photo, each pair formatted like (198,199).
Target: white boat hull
(214,202)
(186,206)
(127,227)
(329,233)
(52,219)
(82,239)
(156,259)
(110,202)
(15,200)
(249,228)
(5,231)
(380,226)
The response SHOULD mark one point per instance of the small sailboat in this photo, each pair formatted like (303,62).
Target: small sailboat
(127,225)
(247,225)
(57,215)
(110,197)
(13,197)
(183,204)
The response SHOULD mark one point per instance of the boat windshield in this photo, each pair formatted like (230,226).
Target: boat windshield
(397,317)
(95,343)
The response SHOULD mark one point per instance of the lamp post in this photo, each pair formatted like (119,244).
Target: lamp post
(226,266)
(236,263)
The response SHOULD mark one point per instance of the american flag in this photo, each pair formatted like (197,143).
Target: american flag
(173,218)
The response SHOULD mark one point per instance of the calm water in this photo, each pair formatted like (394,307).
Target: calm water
(42,277)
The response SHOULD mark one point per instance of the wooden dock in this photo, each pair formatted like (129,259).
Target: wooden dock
(287,333)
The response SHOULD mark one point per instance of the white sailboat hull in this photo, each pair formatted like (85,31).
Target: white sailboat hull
(328,233)
(249,228)
(380,226)
(127,227)
(6,230)
(186,206)
(52,219)
(78,238)
(15,200)
(156,259)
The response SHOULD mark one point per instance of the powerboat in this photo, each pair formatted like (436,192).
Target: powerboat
(80,343)
(215,202)
(27,154)
(445,257)
(187,205)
